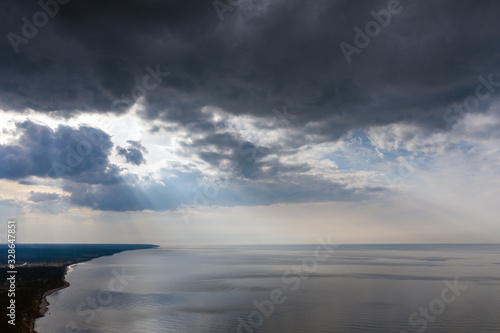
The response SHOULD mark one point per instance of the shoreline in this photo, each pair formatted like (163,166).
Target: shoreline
(43,305)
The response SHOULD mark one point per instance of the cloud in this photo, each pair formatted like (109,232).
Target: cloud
(225,151)
(134,153)
(243,172)
(263,55)
(42,196)
(77,154)
(168,194)
(27,182)
(186,190)
(225,80)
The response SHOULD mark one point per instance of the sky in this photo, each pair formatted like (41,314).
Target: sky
(250,122)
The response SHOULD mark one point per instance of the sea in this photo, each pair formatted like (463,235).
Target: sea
(283,288)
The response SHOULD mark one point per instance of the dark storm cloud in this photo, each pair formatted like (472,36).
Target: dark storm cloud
(263,55)
(134,153)
(80,155)
(97,57)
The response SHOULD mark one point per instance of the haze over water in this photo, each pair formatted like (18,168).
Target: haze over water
(357,288)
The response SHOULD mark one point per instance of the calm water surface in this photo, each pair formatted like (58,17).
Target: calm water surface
(351,288)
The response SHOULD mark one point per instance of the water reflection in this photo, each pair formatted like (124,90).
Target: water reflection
(279,289)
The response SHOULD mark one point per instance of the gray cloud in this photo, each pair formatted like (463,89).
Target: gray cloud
(242,158)
(42,196)
(263,55)
(80,155)
(188,189)
(94,182)
(169,194)
(134,153)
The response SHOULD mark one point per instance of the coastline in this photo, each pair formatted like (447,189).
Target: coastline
(41,305)
(44,303)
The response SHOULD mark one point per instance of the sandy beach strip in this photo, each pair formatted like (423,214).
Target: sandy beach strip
(44,304)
